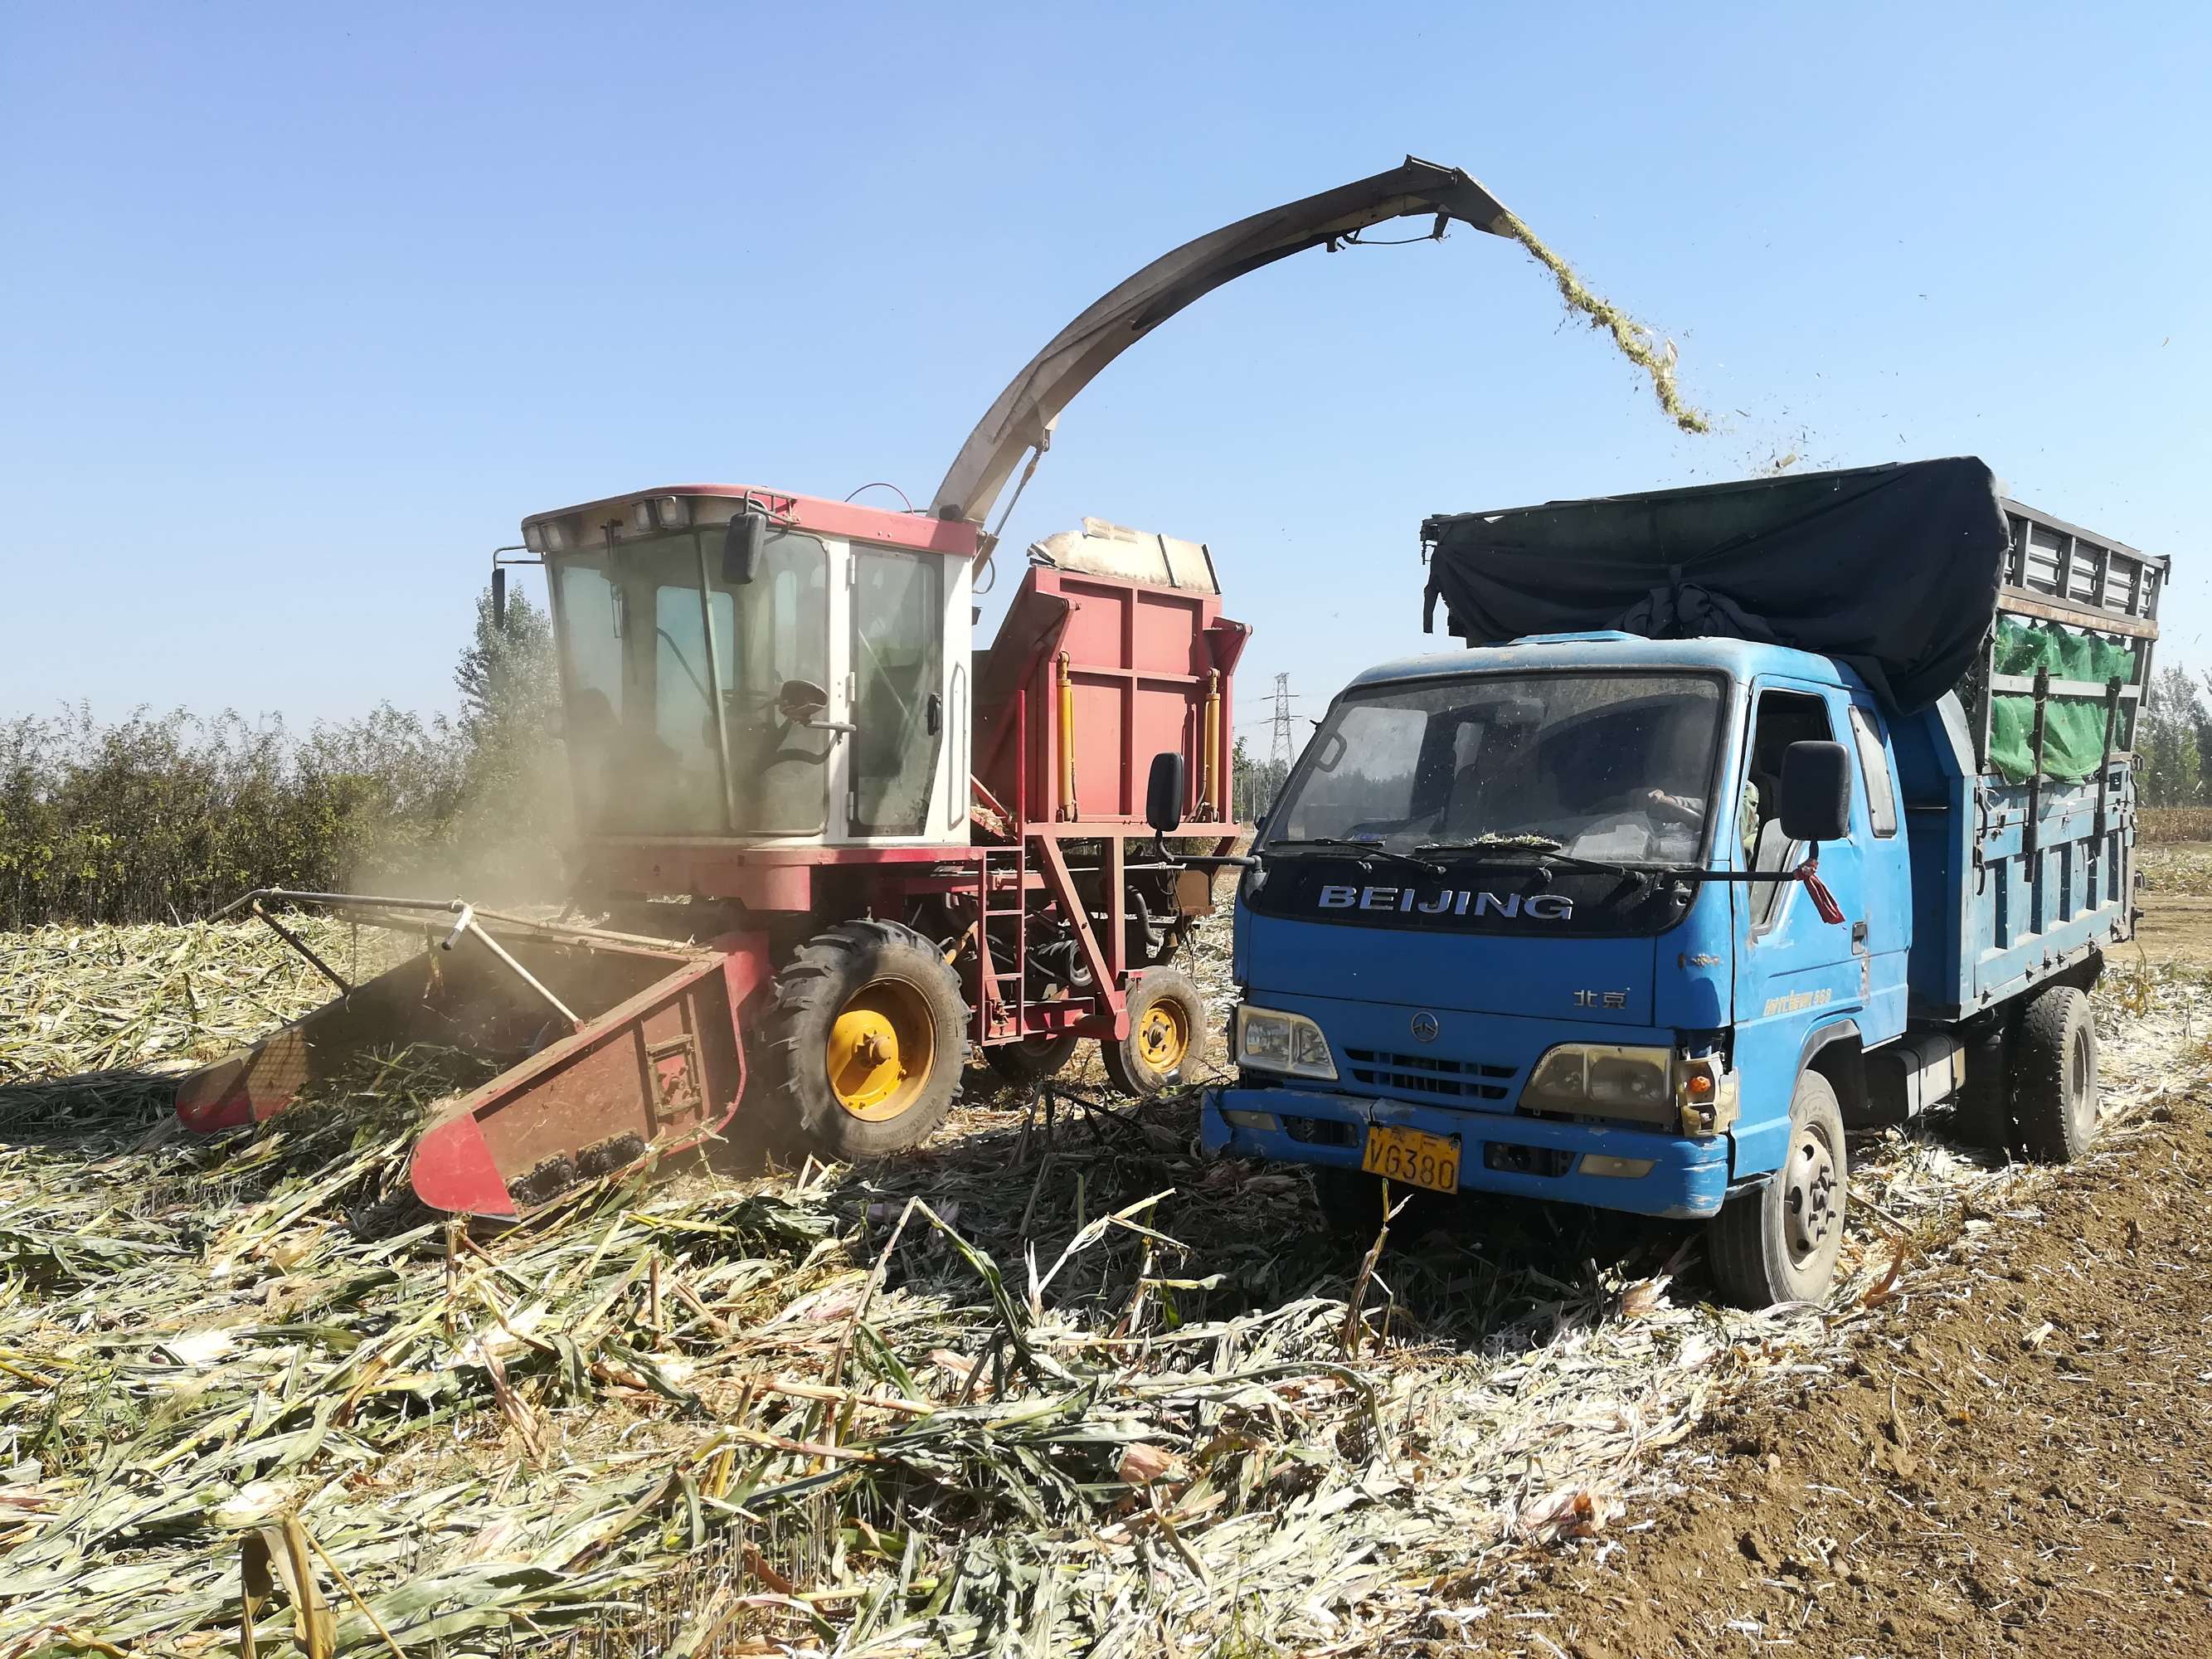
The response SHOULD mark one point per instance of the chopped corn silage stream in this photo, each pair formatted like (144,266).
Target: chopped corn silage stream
(1047,1385)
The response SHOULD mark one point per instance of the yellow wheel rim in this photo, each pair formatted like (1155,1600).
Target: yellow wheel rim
(881,1048)
(1163,1036)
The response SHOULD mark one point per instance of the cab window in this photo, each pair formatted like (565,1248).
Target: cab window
(1874,761)
(898,707)
(1781,719)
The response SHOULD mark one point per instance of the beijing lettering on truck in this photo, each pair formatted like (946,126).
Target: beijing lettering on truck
(1757,812)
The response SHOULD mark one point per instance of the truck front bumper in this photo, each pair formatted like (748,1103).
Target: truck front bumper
(1499,1151)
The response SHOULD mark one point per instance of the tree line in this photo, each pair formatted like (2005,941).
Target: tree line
(166,817)
(2173,741)
(1252,783)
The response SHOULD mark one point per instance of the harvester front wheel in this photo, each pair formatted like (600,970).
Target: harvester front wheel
(869,1032)
(1167,1034)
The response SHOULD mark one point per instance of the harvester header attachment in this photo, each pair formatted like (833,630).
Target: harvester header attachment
(606,1045)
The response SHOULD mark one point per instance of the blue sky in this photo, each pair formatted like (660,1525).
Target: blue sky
(305,307)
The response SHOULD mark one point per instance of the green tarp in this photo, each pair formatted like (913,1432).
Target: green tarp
(2074,727)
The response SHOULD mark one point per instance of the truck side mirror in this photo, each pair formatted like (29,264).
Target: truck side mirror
(1163,793)
(1816,792)
(741,547)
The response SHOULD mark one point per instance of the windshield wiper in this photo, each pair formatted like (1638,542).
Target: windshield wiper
(1373,849)
(1539,850)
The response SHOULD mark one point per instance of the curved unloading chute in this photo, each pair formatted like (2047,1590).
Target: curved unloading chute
(1023,418)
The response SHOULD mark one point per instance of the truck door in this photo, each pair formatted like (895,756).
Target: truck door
(1885,875)
(1794,971)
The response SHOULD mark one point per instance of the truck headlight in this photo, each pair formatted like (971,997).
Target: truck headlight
(1604,1079)
(1266,1041)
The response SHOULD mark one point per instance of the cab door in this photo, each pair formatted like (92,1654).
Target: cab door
(1795,972)
(1886,874)
(771,631)
(897,693)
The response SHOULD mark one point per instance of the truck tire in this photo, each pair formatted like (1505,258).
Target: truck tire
(1982,1117)
(2054,1075)
(1778,1241)
(1167,1034)
(867,1035)
(1032,1060)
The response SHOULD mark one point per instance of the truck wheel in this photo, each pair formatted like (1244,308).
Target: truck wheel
(1167,1034)
(869,1033)
(2055,1074)
(1778,1242)
(1032,1060)
(1982,1117)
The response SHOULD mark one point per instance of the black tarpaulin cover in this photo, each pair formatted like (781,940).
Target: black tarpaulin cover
(1893,570)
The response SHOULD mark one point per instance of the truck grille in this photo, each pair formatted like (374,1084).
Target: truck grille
(1429,1075)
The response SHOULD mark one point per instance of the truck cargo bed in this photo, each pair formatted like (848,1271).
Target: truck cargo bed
(2012,882)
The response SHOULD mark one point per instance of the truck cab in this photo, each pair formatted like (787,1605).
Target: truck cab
(1482,914)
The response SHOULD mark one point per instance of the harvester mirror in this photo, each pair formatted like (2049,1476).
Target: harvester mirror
(800,701)
(741,547)
(1163,793)
(1816,792)
(498,599)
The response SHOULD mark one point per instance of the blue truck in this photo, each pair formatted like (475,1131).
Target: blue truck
(1751,815)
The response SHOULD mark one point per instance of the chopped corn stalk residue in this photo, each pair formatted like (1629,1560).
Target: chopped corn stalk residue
(1636,342)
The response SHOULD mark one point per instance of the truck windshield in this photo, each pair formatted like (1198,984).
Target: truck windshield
(1615,766)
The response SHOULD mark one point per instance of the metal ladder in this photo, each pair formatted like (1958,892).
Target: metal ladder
(1008,863)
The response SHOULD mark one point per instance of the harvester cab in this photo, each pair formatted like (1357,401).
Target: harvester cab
(750,668)
(830,850)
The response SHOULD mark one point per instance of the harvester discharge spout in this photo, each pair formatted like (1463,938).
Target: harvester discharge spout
(1023,418)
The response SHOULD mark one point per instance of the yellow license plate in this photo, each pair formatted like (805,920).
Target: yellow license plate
(1415,1159)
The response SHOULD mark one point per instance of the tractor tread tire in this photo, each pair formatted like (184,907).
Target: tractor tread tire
(1125,1066)
(1745,1244)
(2057,1115)
(811,989)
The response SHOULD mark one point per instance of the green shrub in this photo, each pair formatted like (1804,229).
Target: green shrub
(159,817)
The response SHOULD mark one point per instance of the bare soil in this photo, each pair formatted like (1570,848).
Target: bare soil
(2178,928)
(2177,919)
(2014,1458)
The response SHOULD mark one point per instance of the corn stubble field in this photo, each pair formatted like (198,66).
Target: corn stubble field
(1051,1384)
